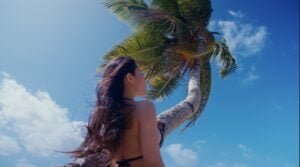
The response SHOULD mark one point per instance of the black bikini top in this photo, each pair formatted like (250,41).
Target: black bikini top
(125,162)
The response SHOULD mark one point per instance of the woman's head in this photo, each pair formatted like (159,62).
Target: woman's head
(125,78)
(121,81)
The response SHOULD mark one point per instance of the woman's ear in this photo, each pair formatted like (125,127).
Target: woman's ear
(129,78)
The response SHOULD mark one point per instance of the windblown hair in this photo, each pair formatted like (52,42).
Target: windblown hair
(111,114)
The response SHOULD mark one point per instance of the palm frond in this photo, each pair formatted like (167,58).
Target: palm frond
(196,11)
(145,49)
(162,86)
(171,7)
(225,57)
(144,18)
(140,46)
(121,9)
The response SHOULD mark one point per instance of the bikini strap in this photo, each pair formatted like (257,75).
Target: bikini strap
(125,161)
(161,127)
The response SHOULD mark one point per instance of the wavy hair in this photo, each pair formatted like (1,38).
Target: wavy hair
(111,114)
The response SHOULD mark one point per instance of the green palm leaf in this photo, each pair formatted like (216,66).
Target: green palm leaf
(121,9)
(146,50)
(225,57)
(150,19)
(171,7)
(162,86)
(197,12)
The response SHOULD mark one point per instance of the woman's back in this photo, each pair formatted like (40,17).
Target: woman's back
(121,81)
(142,138)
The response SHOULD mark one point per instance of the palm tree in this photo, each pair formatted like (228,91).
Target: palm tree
(170,40)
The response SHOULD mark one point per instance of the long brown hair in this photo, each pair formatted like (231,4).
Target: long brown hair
(111,114)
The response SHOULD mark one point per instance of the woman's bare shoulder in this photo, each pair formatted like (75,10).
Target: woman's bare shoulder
(145,108)
(145,103)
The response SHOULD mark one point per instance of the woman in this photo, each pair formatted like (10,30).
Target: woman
(121,132)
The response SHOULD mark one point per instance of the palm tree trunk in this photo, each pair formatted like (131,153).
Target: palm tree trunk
(193,104)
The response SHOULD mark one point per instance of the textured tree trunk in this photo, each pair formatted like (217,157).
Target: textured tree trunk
(193,104)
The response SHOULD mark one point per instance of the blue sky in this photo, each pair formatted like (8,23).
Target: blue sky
(49,52)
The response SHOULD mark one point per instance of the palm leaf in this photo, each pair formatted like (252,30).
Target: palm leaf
(144,18)
(162,86)
(146,50)
(121,9)
(225,57)
(197,12)
(171,7)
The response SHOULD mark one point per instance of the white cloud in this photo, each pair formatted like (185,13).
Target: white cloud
(242,39)
(223,164)
(238,14)
(36,122)
(250,77)
(198,143)
(23,162)
(246,151)
(218,164)
(5,74)
(182,156)
(8,145)
(239,165)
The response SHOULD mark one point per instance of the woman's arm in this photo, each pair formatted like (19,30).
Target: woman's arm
(150,136)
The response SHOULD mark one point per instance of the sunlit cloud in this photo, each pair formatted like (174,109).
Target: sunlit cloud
(33,121)
(251,76)
(8,145)
(23,162)
(246,151)
(182,156)
(243,39)
(237,14)
(224,164)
